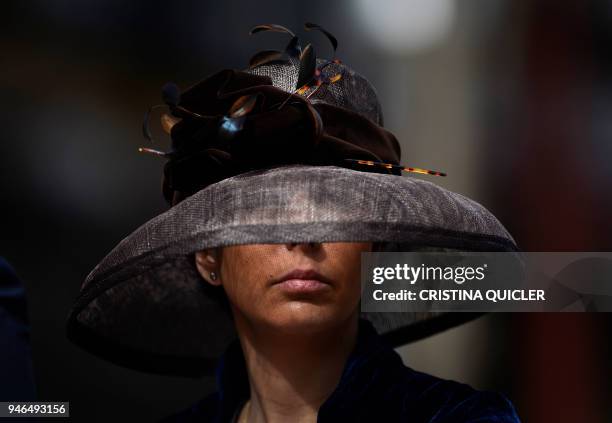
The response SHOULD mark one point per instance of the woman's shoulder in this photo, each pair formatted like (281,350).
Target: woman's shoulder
(442,400)
(381,387)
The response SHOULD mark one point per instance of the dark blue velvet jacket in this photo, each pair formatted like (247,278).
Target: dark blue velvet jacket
(375,386)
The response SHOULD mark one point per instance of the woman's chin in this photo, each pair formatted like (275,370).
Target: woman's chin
(304,318)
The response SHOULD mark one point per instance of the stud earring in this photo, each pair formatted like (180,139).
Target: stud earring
(213,276)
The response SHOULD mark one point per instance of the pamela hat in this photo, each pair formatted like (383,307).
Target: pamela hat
(292,149)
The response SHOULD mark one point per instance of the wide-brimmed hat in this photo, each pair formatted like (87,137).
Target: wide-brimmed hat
(272,154)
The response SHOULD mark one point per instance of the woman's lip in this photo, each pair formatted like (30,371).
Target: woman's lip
(303,275)
(303,281)
(302,285)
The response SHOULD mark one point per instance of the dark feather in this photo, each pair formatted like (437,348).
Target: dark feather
(171,95)
(146,131)
(334,42)
(265,56)
(308,66)
(293,49)
(243,106)
(270,27)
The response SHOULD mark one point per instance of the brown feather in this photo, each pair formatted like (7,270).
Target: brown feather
(308,66)
(270,27)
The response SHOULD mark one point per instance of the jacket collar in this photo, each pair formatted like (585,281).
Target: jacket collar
(364,367)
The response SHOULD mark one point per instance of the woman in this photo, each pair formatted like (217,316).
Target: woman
(296,310)
(280,177)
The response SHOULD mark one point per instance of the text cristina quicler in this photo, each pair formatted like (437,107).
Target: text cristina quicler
(493,295)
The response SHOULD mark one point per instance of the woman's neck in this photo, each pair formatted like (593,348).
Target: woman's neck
(292,374)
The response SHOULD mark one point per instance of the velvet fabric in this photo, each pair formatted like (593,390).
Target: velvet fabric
(375,386)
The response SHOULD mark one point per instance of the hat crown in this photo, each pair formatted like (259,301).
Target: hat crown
(352,91)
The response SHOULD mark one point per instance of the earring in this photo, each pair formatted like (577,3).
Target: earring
(213,276)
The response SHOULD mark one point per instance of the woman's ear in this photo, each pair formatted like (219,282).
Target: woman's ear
(207,263)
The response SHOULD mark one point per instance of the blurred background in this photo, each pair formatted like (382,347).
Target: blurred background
(512,99)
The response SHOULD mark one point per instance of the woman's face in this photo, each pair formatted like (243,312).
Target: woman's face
(289,287)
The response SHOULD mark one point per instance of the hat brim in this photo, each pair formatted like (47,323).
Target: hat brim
(144,305)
